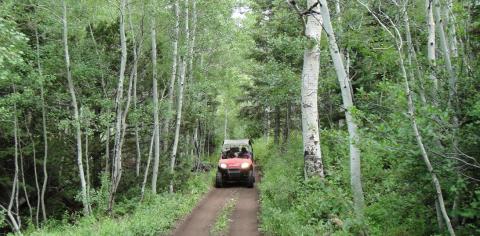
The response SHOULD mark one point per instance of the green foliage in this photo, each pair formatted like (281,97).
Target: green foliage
(157,214)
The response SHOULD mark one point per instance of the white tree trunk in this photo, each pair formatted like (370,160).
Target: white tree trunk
(117,150)
(14,222)
(135,77)
(44,127)
(225,123)
(452,31)
(75,112)
(311,66)
(436,182)
(178,122)
(446,52)
(147,168)
(156,124)
(431,46)
(35,173)
(173,77)
(191,45)
(412,57)
(24,184)
(344,81)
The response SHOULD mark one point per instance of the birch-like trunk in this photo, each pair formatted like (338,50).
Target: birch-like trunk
(135,78)
(412,57)
(117,150)
(452,81)
(147,168)
(196,145)
(452,29)
(344,81)
(426,159)
(35,172)
(24,184)
(276,131)
(87,170)
(311,67)
(178,122)
(173,77)
(225,123)
(156,123)
(431,47)
(14,193)
(44,128)
(75,112)
(191,45)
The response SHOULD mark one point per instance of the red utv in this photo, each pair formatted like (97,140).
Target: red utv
(236,163)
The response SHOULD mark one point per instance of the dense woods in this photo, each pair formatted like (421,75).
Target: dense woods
(365,114)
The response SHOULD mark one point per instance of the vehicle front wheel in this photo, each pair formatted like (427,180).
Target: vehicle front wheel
(218,180)
(251,180)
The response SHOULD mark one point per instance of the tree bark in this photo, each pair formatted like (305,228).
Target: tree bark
(14,193)
(76,113)
(147,168)
(311,66)
(156,161)
(412,57)
(173,77)
(117,157)
(35,173)
(431,47)
(178,122)
(135,78)
(44,128)
(344,81)
(276,133)
(191,45)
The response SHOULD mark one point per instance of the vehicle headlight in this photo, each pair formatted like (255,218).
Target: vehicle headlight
(223,166)
(245,165)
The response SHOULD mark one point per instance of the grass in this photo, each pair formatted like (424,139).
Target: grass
(157,214)
(222,223)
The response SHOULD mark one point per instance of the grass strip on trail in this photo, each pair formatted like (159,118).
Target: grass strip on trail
(222,223)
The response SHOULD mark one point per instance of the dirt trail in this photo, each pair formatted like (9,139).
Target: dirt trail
(244,217)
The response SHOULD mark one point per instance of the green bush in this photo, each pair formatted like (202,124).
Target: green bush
(291,205)
(156,215)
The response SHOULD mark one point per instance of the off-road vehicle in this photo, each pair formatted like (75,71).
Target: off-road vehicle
(236,163)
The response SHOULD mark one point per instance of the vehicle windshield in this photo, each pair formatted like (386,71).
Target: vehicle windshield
(236,152)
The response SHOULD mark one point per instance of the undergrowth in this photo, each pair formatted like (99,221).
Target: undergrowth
(292,205)
(156,215)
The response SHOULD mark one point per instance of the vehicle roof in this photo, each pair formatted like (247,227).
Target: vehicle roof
(232,142)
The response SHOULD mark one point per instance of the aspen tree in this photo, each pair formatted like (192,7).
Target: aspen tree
(75,112)
(347,93)
(156,125)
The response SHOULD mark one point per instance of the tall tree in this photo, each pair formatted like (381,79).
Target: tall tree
(71,88)
(173,76)
(310,71)
(156,122)
(117,157)
(178,122)
(347,93)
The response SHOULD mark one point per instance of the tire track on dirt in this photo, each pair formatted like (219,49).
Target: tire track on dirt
(205,214)
(244,219)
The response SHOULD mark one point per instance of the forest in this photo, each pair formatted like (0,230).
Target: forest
(364,116)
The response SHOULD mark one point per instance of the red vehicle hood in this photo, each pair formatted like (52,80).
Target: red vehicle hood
(234,162)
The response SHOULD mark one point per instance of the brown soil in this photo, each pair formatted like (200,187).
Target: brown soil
(244,219)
